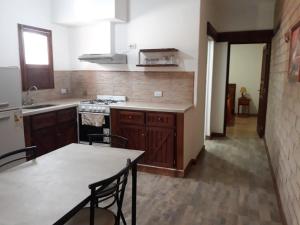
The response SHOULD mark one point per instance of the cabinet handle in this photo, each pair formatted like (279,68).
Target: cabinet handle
(159,119)
(143,134)
(130,117)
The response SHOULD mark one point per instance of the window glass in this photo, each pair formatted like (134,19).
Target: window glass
(35,48)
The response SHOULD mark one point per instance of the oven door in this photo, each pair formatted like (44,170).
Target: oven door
(84,130)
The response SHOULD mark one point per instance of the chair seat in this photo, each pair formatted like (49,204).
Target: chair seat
(102,217)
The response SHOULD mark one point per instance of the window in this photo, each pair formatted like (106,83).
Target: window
(36,57)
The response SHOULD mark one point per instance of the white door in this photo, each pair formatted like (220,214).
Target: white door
(11,131)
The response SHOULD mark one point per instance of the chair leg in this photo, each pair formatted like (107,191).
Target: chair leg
(123,218)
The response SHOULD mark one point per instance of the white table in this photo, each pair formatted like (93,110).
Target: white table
(50,188)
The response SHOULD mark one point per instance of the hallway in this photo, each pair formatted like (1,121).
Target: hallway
(243,127)
(230,185)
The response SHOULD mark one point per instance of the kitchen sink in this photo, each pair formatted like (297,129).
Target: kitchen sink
(38,106)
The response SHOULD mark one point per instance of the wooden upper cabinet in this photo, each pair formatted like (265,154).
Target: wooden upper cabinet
(36,57)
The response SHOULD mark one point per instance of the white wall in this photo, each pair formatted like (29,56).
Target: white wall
(89,39)
(194,119)
(152,24)
(80,12)
(218,87)
(239,15)
(245,71)
(209,80)
(35,13)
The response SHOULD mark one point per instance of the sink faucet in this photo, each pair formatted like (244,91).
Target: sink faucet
(28,100)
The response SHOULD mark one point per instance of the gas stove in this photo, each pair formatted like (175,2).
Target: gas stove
(100,104)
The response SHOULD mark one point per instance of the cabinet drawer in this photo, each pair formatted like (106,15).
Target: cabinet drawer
(43,120)
(160,119)
(131,117)
(66,115)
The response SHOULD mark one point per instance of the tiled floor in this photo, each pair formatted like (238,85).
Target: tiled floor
(230,185)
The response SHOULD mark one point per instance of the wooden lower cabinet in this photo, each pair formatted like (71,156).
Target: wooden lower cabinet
(160,147)
(45,140)
(66,133)
(50,131)
(153,132)
(135,136)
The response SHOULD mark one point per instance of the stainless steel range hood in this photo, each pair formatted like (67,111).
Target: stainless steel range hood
(104,58)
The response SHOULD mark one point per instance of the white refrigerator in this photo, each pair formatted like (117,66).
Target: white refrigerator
(11,120)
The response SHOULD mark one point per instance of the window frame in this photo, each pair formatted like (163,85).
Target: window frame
(30,71)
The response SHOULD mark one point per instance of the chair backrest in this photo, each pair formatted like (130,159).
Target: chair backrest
(117,191)
(114,140)
(11,158)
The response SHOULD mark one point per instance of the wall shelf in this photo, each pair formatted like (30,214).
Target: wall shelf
(159,50)
(168,60)
(156,65)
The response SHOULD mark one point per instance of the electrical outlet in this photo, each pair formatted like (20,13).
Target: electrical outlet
(64,91)
(158,93)
(132,46)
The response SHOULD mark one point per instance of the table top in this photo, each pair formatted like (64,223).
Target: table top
(43,190)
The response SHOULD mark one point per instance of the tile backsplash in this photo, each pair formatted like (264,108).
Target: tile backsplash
(177,87)
(62,79)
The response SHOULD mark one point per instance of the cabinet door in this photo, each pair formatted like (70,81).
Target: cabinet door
(66,134)
(135,136)
(45,140)
(160,147)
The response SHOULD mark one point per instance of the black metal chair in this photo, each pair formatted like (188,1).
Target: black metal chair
(115,140)
(17,155)
(94,215)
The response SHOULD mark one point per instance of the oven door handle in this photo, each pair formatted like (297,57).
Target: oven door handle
(105,114)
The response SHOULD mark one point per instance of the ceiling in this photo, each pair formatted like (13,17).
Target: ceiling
(233,15)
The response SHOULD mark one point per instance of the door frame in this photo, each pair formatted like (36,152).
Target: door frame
(268,64)
(241,37)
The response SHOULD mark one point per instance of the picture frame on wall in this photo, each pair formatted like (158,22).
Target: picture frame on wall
(294,54)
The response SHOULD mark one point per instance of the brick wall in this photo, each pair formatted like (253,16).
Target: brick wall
(283,117)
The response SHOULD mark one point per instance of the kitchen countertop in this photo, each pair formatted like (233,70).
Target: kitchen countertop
(59,104)
(71,102)
(150,106)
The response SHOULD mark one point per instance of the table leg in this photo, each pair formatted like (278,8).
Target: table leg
(134,184)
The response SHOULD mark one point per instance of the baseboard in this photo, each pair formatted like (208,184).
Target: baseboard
(194,161)
(279,201)
(217,135)
(170,171)
(208,137)
(160,170)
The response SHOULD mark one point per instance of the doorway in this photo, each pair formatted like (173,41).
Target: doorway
(246,89)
